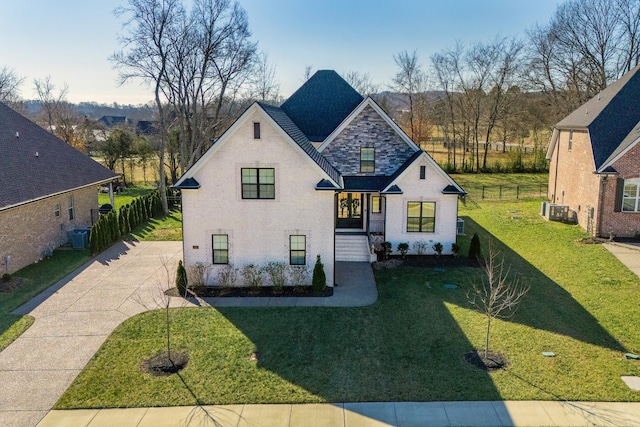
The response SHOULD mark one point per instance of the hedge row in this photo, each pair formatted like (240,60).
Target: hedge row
(110,227)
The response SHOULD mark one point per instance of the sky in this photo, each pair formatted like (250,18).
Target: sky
(72,40)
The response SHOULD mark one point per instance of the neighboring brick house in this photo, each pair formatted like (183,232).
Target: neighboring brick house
(595,161)
(324,174)
(47,188)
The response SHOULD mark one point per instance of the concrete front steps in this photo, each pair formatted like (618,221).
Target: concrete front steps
(353,248)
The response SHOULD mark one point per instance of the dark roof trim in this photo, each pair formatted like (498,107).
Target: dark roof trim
(394,189)
(608,171)
(452,189)
(188,184)
(325,184)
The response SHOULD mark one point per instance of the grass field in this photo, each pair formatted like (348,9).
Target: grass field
(406,347)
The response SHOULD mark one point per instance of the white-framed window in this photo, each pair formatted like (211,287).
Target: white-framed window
(570,140)
(71,207)
(367,159)
(56,210)
(631,195)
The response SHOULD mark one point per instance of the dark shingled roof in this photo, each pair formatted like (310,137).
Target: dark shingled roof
(188,184)
(321,104)
(365,183)
(609,116)
(281,118)
(57,168)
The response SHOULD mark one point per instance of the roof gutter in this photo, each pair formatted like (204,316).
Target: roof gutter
(48,196)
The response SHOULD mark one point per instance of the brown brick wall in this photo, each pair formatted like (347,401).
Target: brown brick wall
(621,224)
(576,185)
(30,230)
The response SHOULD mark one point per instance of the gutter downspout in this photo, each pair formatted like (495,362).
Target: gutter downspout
(603,182)
(555,178)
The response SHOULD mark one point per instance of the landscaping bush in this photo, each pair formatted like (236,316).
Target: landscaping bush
(6,277)
(299,276)
(227,276)
(403,248)
(474,248)
(277,272)
(437,247)
(420,247)
(181,279)
(386,249)
(252,276)
(319,282)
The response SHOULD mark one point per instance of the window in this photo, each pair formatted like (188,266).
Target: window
(297,250)
(631,196)
(376,204)
(56,210)
(421,217)
(258,183)
(423,172)
(256,130)
(220,249)
(570,139)
(367,159)
(71,212)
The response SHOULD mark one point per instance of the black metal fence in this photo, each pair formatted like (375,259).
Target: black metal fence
(508,192)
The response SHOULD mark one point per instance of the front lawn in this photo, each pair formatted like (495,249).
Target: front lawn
(409,346)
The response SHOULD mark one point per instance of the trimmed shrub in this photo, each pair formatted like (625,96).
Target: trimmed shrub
(277,272)
(437,247)
(474,248)
(319,282)
(181,279)
(403,248)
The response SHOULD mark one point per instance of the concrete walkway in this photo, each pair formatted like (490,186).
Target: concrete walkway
(359,415)
(627,253)
(72,320)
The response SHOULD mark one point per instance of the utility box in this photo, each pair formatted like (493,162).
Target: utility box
(554,212)
(79,238)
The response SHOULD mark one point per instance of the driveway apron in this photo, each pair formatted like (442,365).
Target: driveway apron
(73,318)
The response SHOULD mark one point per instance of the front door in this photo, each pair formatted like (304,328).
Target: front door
(349,210)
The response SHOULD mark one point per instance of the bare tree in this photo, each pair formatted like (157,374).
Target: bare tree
(9,84)
(264,85)
(50,100)
(307,72)
(496,295)
(410,80)
(361,82)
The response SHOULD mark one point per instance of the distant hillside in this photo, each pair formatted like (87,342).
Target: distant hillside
(94,111)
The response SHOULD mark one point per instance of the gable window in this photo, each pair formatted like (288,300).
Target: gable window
(421,217)
(258,183)
(56,210)
(367,159)
(71,209)
(297,249)
(631,196)
(423,172)
(570,139)
(256,130)
(376,204)
(220,248)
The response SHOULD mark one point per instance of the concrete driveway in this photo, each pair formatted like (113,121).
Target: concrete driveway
(72,320)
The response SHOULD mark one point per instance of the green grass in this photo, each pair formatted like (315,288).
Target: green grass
(125,197)
(489,184)
(406,347)
(168,227)
(38,277)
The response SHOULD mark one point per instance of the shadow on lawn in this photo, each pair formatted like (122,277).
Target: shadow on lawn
(548,306)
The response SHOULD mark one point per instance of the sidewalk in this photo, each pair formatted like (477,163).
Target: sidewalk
(627,253)
(526,413)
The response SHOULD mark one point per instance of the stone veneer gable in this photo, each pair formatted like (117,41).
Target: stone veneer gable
(368,130)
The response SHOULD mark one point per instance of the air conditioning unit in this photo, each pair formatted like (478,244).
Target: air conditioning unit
(460,226)
(554,212)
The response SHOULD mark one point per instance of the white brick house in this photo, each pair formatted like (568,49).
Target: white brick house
(319,175)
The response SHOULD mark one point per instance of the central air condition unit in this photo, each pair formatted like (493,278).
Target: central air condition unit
(554,212)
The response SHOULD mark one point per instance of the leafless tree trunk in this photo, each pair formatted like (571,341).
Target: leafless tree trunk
(45,89)
(496,295)
(9,85)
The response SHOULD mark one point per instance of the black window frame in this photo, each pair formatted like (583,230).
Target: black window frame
(256,130)
(423,172)
(259,188)
(219,251)
(367,165)
(297,252)
(428,221)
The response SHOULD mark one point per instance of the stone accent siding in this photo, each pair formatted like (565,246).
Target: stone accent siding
(620,224)
(29,231)
(576,184)
(368,130)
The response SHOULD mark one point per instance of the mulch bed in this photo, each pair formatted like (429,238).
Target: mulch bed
(493,362)
(426,261)
(161,365)
(15,283)
(264,291)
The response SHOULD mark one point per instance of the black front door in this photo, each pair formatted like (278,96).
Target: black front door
(349,213)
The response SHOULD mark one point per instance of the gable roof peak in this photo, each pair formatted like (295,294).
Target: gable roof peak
(321,104)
